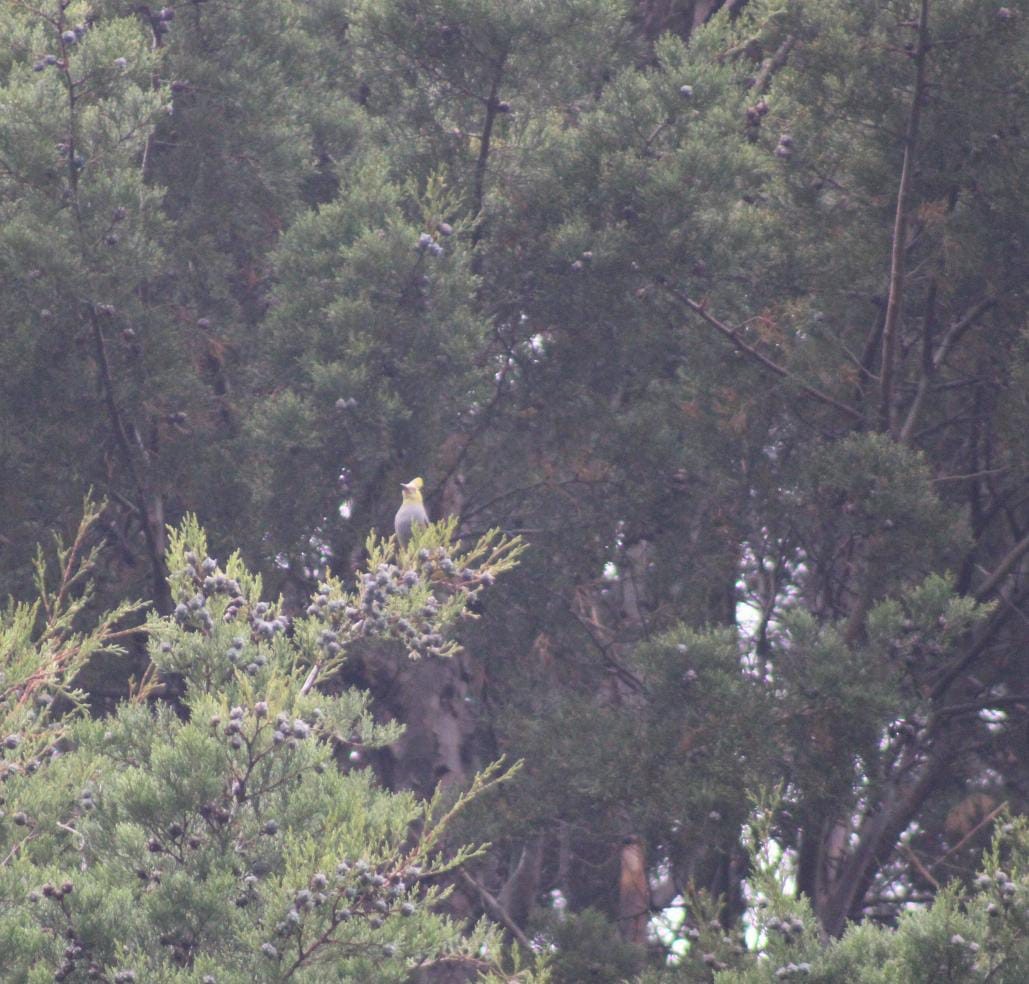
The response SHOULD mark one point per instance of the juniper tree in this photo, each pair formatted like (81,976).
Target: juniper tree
(965,935)
(45,649)
(151,157)
(729,322)
(698,390)
(239,836)
(81,240)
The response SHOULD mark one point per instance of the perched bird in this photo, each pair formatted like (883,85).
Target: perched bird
(411,512)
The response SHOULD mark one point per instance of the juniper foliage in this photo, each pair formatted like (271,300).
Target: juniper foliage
(236,835)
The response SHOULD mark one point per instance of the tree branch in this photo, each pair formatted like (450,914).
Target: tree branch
(986,636)
(988,819)
(496,910)
(1013,556)
(492,108)
(734,336)
(898,255)
(929,323)
(922,869)
(772,65)
(876,839)
(161,596)
(931,366)
(984,704)
(956,330)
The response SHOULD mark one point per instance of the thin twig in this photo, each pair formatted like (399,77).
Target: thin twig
(922,869)
(72,830)
(497,911)
(311,677)
(67,577)
(989,818)
(932,365)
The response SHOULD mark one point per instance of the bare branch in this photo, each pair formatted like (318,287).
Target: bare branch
(917,862)
(956,330)
(311,677)
(898,253)
(496,910)
(122,439)
(988,819)
(970,475)
(1013,556)
(492,108)
(984,704)
(734,336)
(931,366)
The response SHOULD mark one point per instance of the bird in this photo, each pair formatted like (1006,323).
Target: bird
(411,512)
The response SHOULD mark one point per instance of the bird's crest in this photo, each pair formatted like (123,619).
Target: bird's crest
(412,490)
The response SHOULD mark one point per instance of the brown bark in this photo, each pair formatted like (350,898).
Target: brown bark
(633,892)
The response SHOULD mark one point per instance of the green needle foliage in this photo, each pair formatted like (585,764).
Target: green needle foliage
(235,836)
(44,648)
(973,935)
(716,307)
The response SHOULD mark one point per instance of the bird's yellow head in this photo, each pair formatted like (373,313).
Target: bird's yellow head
(412,490)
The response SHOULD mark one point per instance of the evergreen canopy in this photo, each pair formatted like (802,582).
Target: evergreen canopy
(706,323)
